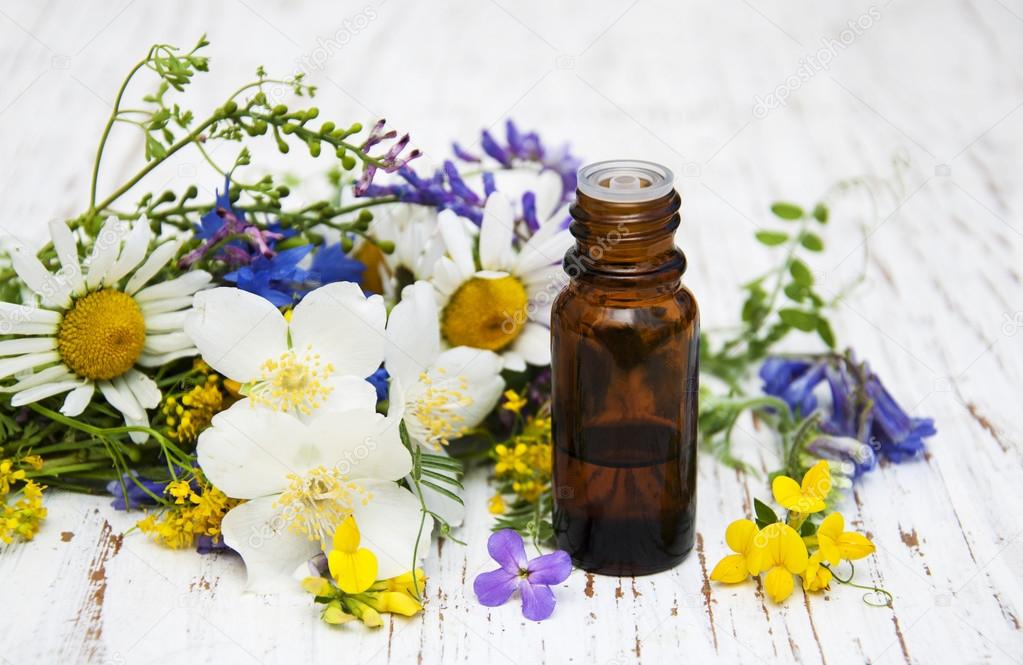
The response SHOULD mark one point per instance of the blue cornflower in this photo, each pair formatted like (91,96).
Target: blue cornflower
(331,264)
(278,279)
(379,380)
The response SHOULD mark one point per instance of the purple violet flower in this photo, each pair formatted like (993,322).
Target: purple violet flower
(134,492)
(532,577)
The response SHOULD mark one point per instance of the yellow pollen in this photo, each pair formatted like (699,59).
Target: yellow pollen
(436,410)
(293,382)
(485,313)
(102,335)
(314,504)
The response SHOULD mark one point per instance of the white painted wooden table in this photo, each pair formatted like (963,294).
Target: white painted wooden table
(940,314)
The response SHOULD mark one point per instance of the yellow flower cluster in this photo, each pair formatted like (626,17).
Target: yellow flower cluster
(188,414)
(524,464)
(780,551)
(22,517)
(193,514)
(353,592)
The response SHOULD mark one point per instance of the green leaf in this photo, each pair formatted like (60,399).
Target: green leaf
(797,318)
(787,211)
(442,490)
(795,292)
(825,332)
(820,213)
(772,238)
(811,241)
(765,514)
(801,273)
(808,529)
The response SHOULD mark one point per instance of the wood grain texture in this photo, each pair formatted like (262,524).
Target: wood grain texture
(940,313)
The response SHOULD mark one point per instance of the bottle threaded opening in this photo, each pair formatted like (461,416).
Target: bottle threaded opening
(625,181)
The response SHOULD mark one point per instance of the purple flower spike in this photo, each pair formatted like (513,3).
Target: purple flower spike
(532,577)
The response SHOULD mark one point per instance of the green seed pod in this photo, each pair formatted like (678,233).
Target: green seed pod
(167,197)
(190,193)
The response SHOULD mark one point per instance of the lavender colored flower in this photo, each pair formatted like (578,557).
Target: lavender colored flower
(391,161)
(896,434)
(133,491)
(532,577)
(793,381)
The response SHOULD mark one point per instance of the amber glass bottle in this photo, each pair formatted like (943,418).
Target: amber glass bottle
(625,336)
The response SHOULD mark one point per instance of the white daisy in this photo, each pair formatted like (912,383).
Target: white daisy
(332,340)
(301,479)
(417,245)
(94,327)
(504,303)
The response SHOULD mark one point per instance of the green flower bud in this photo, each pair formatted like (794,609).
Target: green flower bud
(386,246)
(191,192)
(314,148)
(348,162)
(311,113)
(230,107)
(365,216)
(280,109)
(346,243)
(327,128)
(283,191)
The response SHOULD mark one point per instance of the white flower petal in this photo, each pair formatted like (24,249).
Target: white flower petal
(11,313)
(121,399)
(249,451)
(11,366)
(447,277)
(49,375)
(362,444)
(54,291)
(185,285)
(389,525)
(167,322)
(66,246)
(482,373)
(104,251)
(342,325)
(156,261)
(157,359)
(271,550)
(413,333)
(165,305)
(138,437)
(78,399)
(145,390)
(40,392)
(167,343)
(236,331)
(134,250)
(457,241)
(349,393)
(513,362)
(537,254)
(496,232)
(442,505)
(548,190)
(21,345)
(534,344)
(550,279)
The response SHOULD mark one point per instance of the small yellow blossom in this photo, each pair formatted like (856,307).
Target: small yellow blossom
(35,462)
(193,514)
(807,497)
(778,549)
(354,568)
(816,576)
(496,505)
(23,518)
(187,415)
(734,568)
(836,543)
(513,401)
(9,475)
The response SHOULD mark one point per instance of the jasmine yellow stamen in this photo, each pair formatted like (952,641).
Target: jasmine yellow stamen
(314,504)
(102,335)
(293,382)
(435,408)
(485,313)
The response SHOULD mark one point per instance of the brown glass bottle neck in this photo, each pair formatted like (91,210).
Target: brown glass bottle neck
(630,241)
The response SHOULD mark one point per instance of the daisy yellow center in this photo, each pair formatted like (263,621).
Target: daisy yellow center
(315,503)
(102,335)
(436,409)
(485,313)
(293,382)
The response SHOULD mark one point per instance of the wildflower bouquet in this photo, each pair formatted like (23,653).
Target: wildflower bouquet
(305,383)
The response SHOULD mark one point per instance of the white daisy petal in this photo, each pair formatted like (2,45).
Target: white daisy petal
(138,437)
(457,241)
(167,322)
(156,261)
(165,305)
(447,277)
(49,375)
(104,251)
(260,533)
(534,344)
(11,313)
(513,362)
(145,390)
(53,290)
(21,345)
(236,331)
(185,285)
(40,392)
(121,399)
(157,359)
(496,232)
(413,333)
(168,343)
(10,366)
(548,191)
(134,250)
(538,254)
(349,393)
(78,399)
(388,525)
(67,251)
(342,325)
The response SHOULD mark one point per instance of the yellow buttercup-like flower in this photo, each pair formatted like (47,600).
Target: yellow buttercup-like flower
(807,497)
(778,549)
(816,576)
(354,568)
(836,543)
(513,401)
(734,568)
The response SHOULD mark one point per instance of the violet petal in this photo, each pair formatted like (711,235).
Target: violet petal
(537,601)
(506,548)
(553,568)
(495,587)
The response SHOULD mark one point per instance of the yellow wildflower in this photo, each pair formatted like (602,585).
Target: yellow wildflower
(778,549)
(514,401)
(496,505)
(189,414)
(734,568)
(194,514)
(24,517)
(816,576)
(807,497)
(9,475)
(354,568)
(836,543)
(35,462)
